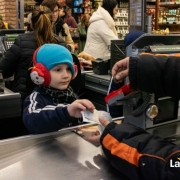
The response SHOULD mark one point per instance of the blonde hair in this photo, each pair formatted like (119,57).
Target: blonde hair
(41,21)
(84,18)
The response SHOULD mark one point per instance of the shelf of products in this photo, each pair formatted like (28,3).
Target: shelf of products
(169,16)
(29,6)
(121,21)
(96,4)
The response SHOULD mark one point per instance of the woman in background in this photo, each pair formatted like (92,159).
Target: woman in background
(18,58)
(82,28)
(60,28)
(102,30)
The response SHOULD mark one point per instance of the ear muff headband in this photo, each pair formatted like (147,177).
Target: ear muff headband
(39,74)
(34,55)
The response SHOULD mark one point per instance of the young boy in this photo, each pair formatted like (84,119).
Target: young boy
(52,105)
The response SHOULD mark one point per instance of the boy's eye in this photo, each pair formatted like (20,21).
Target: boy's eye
(58,69)
(69,69)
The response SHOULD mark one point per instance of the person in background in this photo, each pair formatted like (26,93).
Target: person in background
(82,28)
(60,28)
(62,13)
(18,58)
(62,3)
(102,30)
(53,104)
(132,149)
(69,19)
(27,22)
(4,25)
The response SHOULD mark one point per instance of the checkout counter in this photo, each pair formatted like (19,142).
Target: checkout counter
(60,155)
(65,154)
(169,114)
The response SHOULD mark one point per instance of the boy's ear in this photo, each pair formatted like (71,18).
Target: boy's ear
(75,71)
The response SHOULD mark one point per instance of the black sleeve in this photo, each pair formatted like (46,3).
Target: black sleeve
(140,155)
(158,74)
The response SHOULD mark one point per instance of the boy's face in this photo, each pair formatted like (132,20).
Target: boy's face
(60,76)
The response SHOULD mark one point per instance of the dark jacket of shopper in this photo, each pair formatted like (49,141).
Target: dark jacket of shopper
(17,60)
(131,150)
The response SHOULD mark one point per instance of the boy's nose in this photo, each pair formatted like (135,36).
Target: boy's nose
(65,73)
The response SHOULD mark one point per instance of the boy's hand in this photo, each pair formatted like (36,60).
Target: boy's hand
(77,106)
(121,70)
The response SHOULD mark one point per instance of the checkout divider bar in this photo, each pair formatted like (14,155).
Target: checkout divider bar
(13,145)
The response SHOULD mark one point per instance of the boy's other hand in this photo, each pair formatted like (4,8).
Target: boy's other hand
(77,106)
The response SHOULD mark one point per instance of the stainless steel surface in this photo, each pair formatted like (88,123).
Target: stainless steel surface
(10,104)
(166,130)
(65,157)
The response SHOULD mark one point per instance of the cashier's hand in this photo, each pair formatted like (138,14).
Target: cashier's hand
(120,70)
(94,138)
(75,108)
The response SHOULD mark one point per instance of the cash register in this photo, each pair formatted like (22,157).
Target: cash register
(10,102)
(156,115)
(7,38)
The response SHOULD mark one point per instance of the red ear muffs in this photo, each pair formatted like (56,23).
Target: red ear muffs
(39,73)
(75,71)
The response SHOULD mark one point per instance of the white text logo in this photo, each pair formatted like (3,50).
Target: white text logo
(175,164)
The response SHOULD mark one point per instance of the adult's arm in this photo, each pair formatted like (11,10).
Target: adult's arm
(159,74)
(138,154)
(68,39)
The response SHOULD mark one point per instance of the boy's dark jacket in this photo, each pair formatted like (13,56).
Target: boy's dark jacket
(41,115)
(132,151)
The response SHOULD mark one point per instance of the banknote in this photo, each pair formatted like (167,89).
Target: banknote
(94,117)
(88,116)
